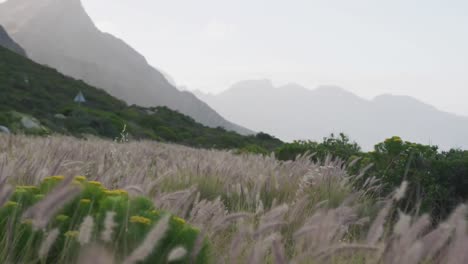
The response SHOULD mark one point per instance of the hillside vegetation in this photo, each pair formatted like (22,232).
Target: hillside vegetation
(27,88)
(251,209)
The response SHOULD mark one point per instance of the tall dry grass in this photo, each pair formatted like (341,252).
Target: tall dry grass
(254,209)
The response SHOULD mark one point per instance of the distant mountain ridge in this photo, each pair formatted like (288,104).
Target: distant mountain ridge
(294,112)
(59,33)
(7,42)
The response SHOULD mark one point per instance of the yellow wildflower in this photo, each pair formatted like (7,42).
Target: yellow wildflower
(85,201)
(80,178)
(58,178)
(95,183)
(140,219)
(72,233)
(179,220)
(395,139)
(11,204)
(33,188)
(154,212)
(77,183)
(116,192)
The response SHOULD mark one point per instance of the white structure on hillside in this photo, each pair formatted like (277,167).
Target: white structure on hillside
(79,98)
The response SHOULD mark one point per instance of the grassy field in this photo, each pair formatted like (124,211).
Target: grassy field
(251,209)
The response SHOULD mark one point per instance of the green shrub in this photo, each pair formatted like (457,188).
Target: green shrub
(166,133)
(336,146)
(134,217)
(252,149)
(290,151)
(6,118)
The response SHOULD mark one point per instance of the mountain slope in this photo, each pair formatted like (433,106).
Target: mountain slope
(7,42)
(60,34)
(29,91)
(293,112)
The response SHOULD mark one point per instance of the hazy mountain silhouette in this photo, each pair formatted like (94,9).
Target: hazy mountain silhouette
(294,112)
(7,42)
(59,33)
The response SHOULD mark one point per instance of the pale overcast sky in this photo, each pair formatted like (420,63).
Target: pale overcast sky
(410,47)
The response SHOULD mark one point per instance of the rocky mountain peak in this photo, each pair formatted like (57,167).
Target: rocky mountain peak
(7,42)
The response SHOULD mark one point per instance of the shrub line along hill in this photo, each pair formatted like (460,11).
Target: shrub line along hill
(32,93)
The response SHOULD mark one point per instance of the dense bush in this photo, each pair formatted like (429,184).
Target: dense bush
(438,181)
(252,149)
(7,118)
(340,146)
(113,217)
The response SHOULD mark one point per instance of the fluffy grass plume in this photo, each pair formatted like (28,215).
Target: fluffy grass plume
(252,209)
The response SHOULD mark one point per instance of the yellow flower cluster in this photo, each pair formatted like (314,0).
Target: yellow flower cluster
(32,188)
(179,220)
(95,183)
(85,201)
(10,204)
(80,178)
(20,190)
(58,178)
(140,219)
(72,233)
(154,212)
(394,139)
(115,192)
(77,183)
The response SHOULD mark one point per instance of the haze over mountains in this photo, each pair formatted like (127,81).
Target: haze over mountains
(294,112)
(7,42)
(60,34)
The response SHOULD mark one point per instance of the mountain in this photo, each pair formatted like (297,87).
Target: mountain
(294,112)
(59,33)
(40,100)
(7,42)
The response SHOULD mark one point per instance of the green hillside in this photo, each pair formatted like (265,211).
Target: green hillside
(32,91)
